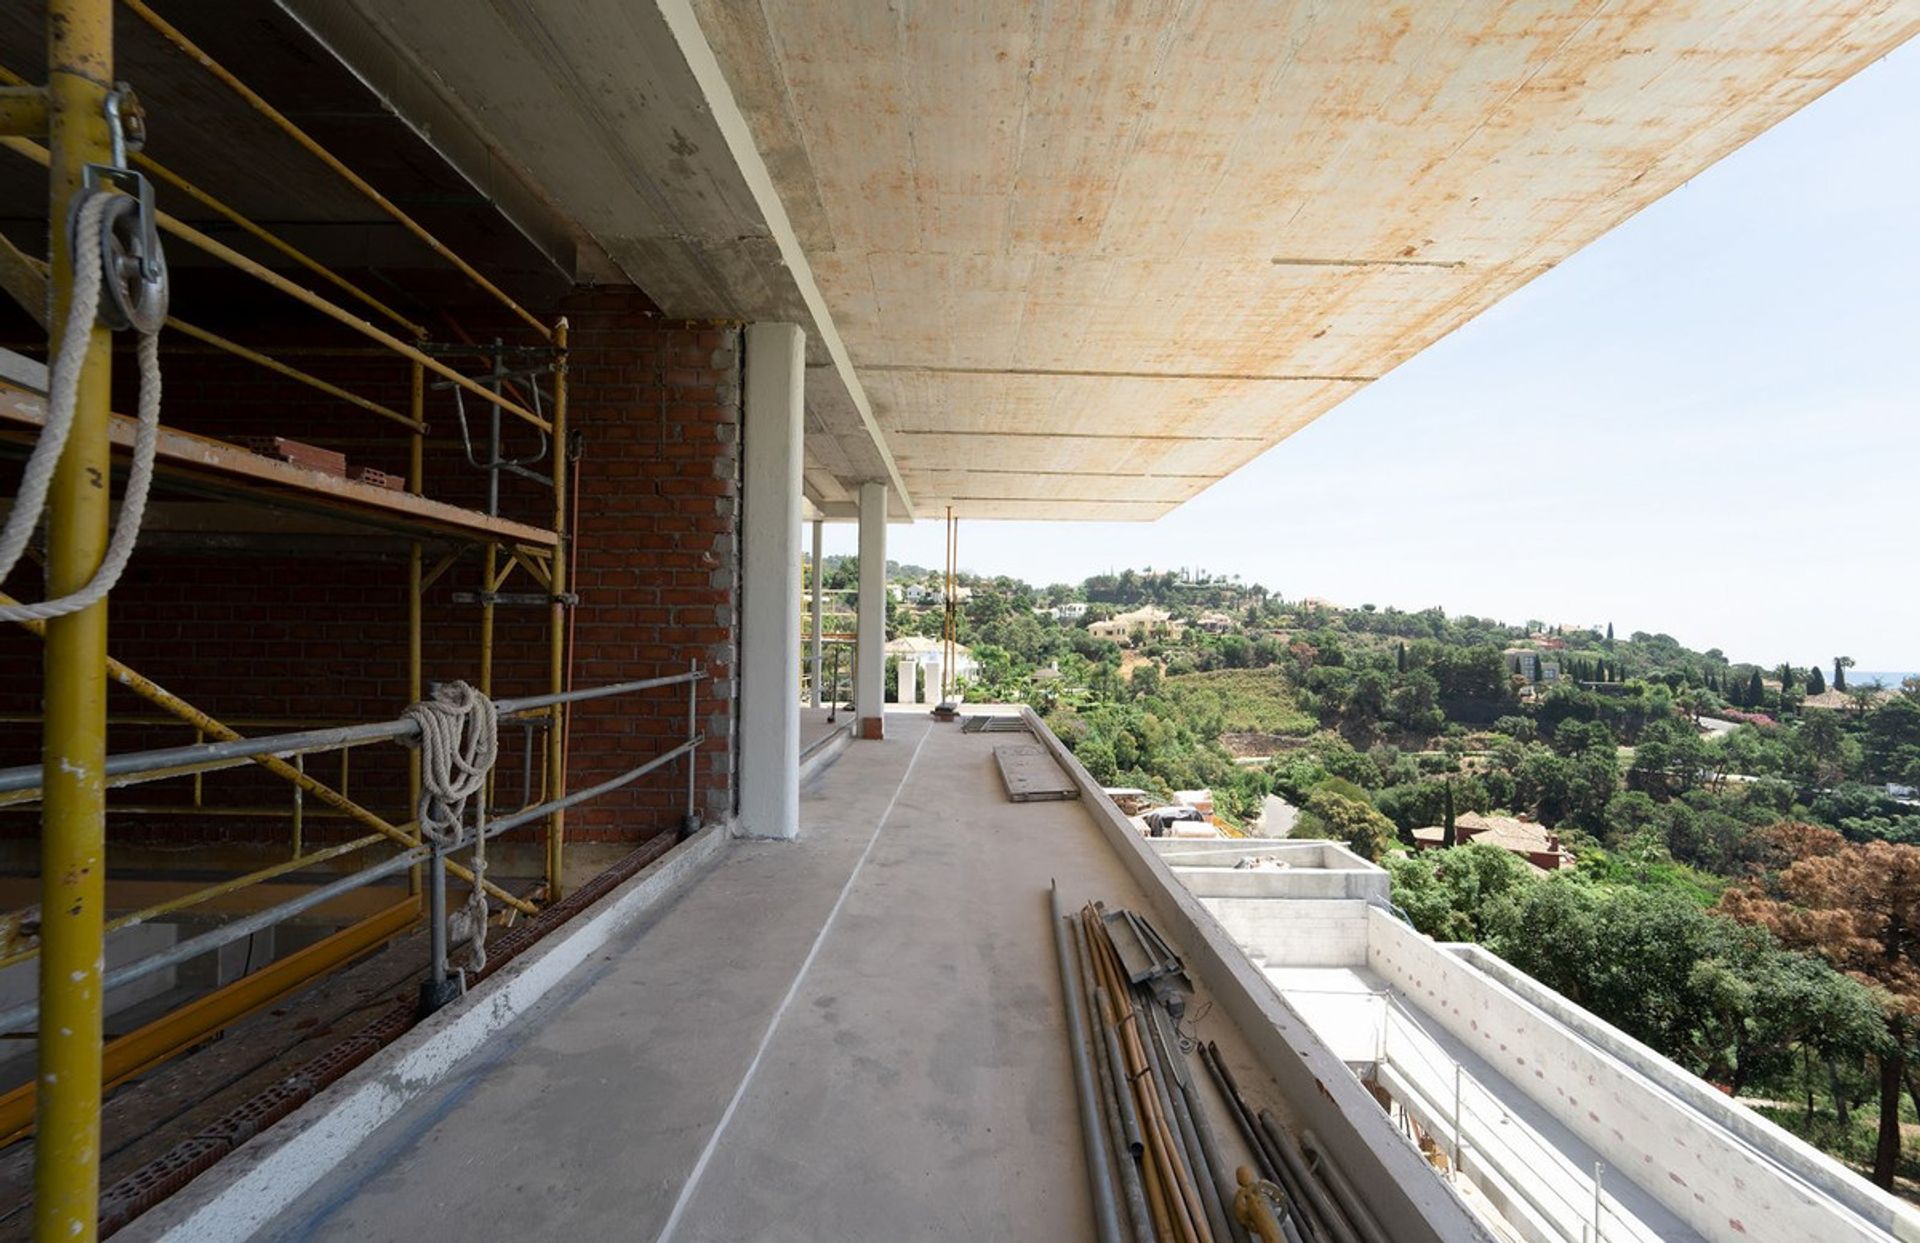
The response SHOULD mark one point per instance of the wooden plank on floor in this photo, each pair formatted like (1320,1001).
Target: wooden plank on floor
(1031,775)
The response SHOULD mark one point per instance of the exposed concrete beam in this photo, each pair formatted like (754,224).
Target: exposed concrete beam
(393,72)
(740,143)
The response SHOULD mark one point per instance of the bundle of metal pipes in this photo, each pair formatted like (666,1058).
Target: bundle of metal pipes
(1155,1163)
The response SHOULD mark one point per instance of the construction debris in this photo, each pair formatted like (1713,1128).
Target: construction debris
(313,457)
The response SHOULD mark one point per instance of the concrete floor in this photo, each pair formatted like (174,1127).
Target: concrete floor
(852,1036)
(815,728)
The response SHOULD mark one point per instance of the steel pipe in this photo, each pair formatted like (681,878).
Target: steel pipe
(1099,1164)
(1351,1202)
(1316,1194)
(1112,1087)
(226,934)
(1161,1047)
(331,738)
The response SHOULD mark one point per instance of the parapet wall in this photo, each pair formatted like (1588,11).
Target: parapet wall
(1705,1175)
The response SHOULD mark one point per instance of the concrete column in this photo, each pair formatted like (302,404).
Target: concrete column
(770,583)
(936,674)
(909,671)
(814,657)
(871,660)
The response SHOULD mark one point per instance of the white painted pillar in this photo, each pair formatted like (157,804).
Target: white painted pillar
(936,667)
(909,671)
(814,657)
(770,583)
(871,660)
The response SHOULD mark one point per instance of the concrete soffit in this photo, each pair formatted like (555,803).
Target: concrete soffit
(738,135)
(365,45)
(607,133)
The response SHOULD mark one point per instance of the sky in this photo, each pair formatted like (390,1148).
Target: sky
(1706,423)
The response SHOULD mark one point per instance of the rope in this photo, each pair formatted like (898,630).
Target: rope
(459,741)
(63,393)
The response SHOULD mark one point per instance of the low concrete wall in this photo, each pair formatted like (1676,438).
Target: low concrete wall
(1315,869)
(263,1177)
(1889,1213)
(1411,1201)
(1711,1180)
(1298,932)
(1224,852)
(1293,883)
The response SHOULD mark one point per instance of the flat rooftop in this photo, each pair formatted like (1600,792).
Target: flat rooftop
(825,1038)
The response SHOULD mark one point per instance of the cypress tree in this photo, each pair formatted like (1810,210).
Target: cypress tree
(1448,836)
(1400,658)
(1756,690)
(1786,678)
(1840,673)
(1609,632)
(1816,681)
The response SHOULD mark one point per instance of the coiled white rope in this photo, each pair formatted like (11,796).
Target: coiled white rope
(459,741)
(63,392)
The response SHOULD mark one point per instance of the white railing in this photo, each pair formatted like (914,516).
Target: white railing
(1473,1125)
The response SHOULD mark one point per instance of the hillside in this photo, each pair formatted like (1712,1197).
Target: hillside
(1695,823)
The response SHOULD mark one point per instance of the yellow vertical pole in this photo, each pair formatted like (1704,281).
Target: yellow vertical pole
(490,569)
(557,624)
(416,484)
(73,832)
(416,604)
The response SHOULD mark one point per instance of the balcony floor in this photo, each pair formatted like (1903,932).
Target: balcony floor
(857,1035)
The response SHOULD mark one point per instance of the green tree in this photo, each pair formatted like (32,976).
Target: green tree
(1816,681)
(1448,894)
(1329,813)
(1756,691)
(1840,666)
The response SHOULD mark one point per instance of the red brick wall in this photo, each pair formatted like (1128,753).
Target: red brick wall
(320,634)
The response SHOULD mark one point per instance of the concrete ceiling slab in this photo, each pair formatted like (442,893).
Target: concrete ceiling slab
(615,115)
(1128,246)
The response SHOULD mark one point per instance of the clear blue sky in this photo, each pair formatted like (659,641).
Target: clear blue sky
(1706,423)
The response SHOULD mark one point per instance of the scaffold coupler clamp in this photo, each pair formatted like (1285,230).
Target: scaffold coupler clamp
(133,264)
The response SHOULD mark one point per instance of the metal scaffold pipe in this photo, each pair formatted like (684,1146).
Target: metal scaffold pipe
(1099,1163)
(300,136)
(73,834)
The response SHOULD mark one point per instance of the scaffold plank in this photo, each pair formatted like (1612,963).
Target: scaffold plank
(237,470)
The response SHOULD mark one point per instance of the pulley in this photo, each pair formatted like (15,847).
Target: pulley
(133,265)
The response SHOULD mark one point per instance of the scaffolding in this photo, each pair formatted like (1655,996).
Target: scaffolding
(81,120)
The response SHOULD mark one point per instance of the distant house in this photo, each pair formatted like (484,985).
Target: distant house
(1522,662)
(1120,626)
(1072,610)
(923,655)
(1539,846)
(1215,623)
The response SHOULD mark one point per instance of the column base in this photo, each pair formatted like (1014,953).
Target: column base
(873,728)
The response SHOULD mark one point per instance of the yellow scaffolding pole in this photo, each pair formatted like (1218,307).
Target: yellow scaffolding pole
(161,697)
(326,157)
(66,1153)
